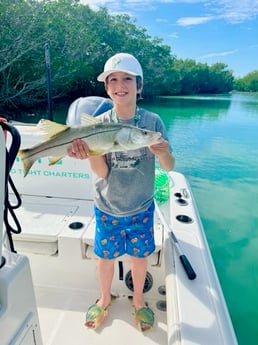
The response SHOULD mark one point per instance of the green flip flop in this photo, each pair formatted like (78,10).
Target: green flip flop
(96,315)
(144,319)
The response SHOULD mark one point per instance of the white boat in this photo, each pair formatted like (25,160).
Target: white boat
(47,286)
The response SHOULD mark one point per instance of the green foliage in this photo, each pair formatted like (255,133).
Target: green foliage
(193,78)
(249,83)
(80,41)
(20,52)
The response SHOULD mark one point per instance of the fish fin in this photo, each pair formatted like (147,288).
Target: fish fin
(54,160)
(51,128)
(96,152)
(124,146)
(88,120)
(27,161)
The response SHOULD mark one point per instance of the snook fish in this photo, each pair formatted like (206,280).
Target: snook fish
(100,137)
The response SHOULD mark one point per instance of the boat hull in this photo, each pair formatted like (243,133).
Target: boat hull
(58,227)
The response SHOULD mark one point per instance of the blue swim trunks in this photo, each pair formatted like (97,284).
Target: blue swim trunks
(132,235)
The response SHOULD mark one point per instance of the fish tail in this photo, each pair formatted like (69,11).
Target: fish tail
(27,161)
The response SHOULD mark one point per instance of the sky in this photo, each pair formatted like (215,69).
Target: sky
(206,31)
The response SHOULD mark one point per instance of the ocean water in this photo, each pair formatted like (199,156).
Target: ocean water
(215,142)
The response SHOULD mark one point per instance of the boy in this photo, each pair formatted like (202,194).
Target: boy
(124,190)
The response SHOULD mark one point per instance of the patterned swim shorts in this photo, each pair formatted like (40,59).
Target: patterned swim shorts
(132,235)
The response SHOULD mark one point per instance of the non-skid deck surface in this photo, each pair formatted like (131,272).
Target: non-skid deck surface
(62,315)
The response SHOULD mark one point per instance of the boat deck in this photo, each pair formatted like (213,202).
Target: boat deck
(62,314)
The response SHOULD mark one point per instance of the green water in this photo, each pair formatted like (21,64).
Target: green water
(215,141)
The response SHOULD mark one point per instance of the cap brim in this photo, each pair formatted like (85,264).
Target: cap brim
(104,75)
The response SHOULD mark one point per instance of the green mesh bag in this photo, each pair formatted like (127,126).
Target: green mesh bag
(161,185)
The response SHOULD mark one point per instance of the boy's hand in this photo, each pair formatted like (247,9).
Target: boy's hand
(160,149)
(79,149)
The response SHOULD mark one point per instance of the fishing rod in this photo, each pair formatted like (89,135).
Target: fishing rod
(183,258)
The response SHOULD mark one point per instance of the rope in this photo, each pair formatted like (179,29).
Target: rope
(8,207)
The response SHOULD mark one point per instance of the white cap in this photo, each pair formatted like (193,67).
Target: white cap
(121,62)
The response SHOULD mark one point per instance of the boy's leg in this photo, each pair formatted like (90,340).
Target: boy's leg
(143,315)
(105,275)
(139,268)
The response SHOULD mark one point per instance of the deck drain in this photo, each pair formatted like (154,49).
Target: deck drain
(182,202)
(162,290)
(161,305)
(184,219)
(76,225)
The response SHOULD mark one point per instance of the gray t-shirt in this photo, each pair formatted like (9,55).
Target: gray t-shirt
(129,186)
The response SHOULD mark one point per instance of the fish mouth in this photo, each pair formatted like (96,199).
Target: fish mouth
(159,138)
